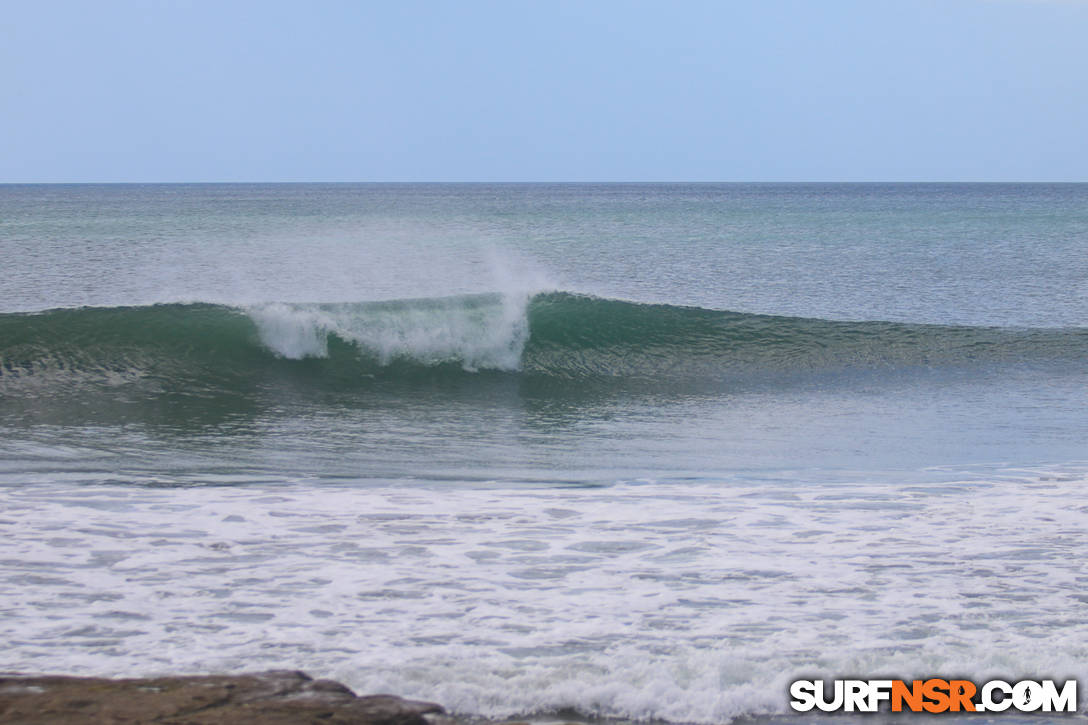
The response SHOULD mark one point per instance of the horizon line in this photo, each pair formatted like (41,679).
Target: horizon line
(533,182)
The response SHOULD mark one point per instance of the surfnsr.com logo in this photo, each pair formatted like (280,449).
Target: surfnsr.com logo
(933,695)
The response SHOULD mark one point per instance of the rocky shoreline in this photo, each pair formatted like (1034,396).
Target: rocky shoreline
(278,697)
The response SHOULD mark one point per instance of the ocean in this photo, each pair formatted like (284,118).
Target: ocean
(628,451)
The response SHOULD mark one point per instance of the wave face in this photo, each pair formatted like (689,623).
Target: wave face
(204,349)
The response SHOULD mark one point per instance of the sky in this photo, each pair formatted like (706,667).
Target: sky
(588,90)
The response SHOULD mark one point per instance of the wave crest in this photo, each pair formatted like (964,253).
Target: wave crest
(486,332)
(561,336)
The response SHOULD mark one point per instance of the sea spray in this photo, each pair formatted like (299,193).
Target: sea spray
(476,331)
(293,331)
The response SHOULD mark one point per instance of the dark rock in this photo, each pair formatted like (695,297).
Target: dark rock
(277,697)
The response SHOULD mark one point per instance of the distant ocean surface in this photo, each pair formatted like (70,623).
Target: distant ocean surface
(635,451)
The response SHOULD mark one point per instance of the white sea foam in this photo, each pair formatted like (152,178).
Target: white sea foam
(688,602)
(475,333)
(293,331)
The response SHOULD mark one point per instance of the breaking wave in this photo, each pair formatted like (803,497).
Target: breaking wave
(205,348)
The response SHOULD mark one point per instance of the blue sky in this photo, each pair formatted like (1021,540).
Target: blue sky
(770,90)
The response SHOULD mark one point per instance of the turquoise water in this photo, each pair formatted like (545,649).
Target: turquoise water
(636,450)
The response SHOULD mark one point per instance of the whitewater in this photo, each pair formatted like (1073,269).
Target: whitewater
(642,452)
